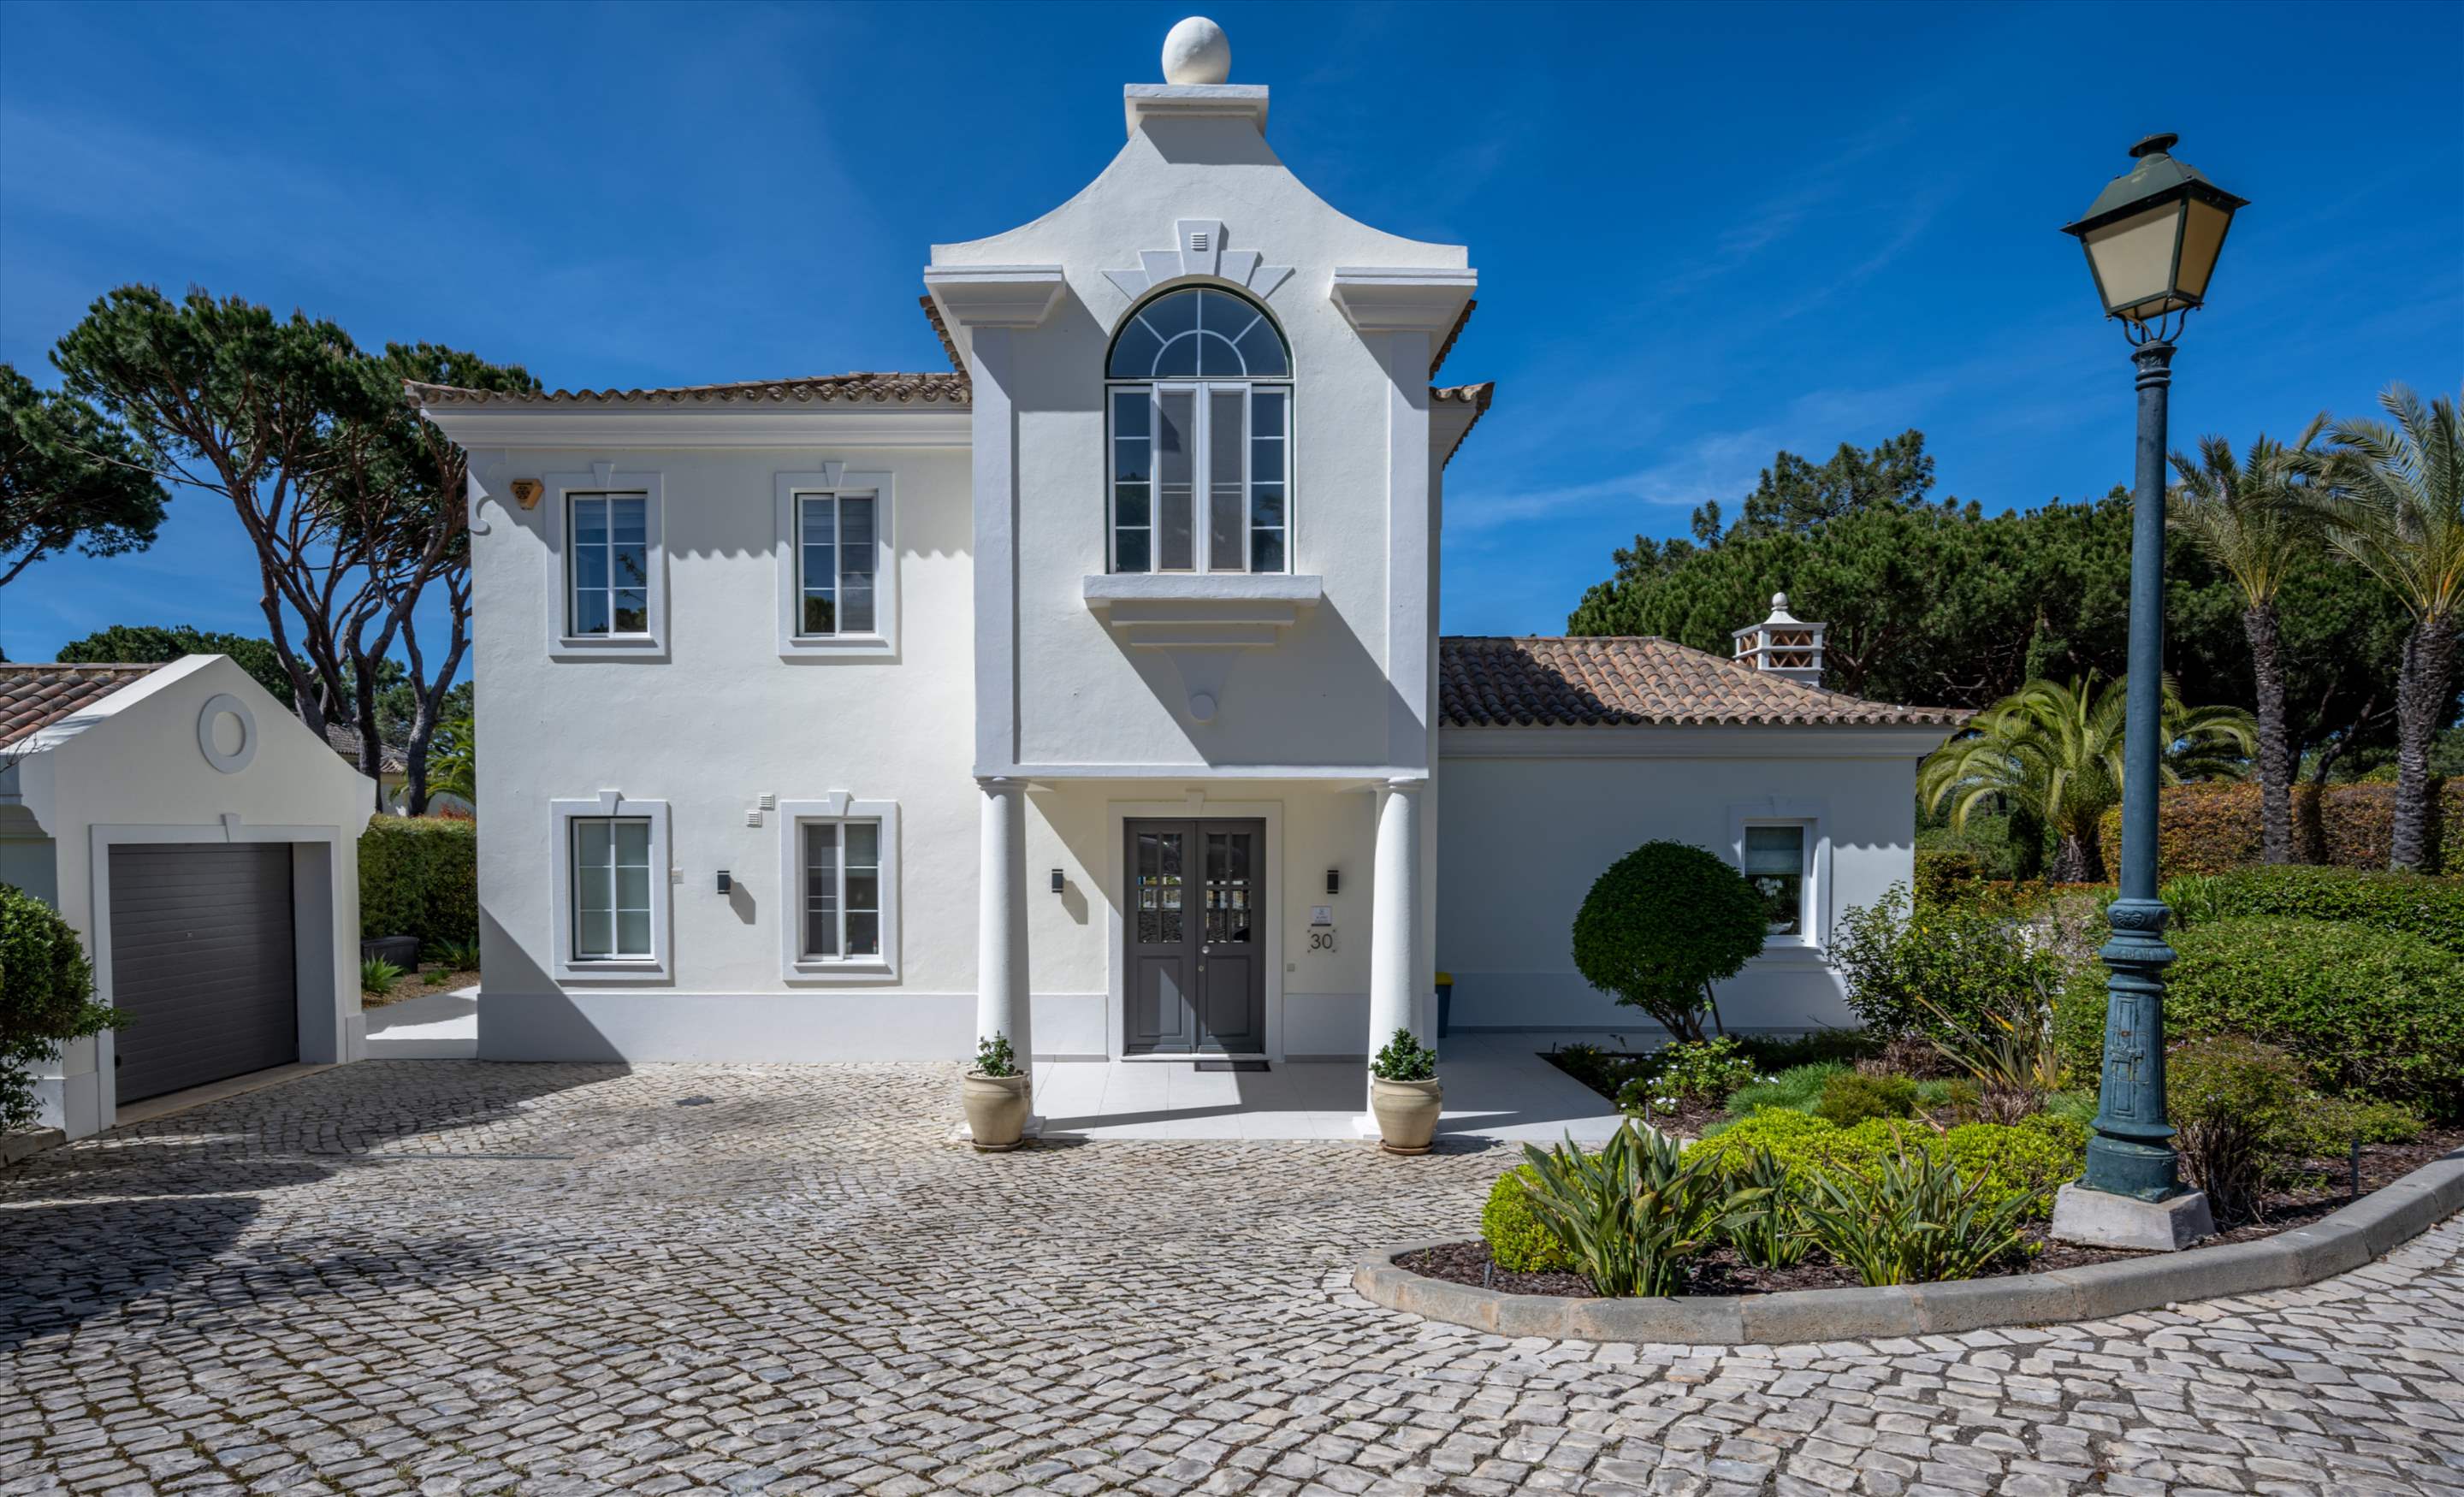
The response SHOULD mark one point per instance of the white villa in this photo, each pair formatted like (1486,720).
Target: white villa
(1091,691)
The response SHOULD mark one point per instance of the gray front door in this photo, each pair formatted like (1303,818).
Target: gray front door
(1194,931)
(202,962)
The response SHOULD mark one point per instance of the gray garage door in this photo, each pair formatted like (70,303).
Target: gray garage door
(202,963)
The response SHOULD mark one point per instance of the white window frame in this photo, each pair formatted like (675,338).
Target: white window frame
(836,807)
(557,502)
(656,967)
(837,478)
(1813,816)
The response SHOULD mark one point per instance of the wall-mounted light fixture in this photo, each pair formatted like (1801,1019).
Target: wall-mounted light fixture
(527,491)
(1334,881)
(725,883)
(1056,881)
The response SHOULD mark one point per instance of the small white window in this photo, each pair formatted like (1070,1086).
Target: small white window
(835,563)
(607,555)
(838,882)
(611,889)
(838,565)
(607,565)
(1775,865)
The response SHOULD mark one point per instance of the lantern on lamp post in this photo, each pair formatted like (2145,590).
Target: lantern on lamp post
(2152,238)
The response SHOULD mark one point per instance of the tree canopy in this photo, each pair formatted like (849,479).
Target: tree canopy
(68,478)
(144,643)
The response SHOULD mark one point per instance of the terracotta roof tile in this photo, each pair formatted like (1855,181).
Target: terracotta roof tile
(941,331)
(35,696)
(1486,682)
(1475,396)
(904,389)
(1448,347)
(345,742)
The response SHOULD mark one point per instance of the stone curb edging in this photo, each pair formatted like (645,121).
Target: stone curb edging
(14,1146)
(2365,1231)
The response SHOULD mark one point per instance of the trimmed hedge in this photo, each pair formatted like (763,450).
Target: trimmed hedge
(2370,1012)
(2212,828)
(2414,904)
(2035,1154)
(420,876)
(46,996)
(1516,1238)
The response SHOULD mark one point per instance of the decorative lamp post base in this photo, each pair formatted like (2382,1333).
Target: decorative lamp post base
(2098,1219)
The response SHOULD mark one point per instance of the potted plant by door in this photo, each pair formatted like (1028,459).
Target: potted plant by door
(996,1096)
(1403,1094)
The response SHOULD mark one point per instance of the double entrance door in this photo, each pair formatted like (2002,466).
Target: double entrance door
(1194,937)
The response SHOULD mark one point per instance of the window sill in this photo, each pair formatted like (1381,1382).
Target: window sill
(867,969)
(608,646)
(614,970)
(835,645)
(1202,591)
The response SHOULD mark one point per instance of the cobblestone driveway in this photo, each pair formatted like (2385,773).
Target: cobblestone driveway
(439,1276)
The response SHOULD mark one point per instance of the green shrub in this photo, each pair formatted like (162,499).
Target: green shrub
(456,956)
(995,1057)
(1632,1215)
(378,977)
(2213,828)
(1916,1219)
(1799,1086)
(2413,904)
(1765,1221)
(1770,1053)
(1516,1238)
(1404,1058)
(1936,972)
(2009,1159)
(1661,925)
(2234,1105)
(420,876)
(46,997)
(1706,1071)
(1852,1096)
(2367,1012)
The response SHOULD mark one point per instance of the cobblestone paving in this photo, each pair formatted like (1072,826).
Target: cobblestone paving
(441,1277)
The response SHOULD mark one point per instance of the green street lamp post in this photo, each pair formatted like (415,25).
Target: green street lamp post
(2152,238)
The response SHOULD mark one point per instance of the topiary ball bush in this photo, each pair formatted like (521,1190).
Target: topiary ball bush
(1516,1238)
(2367,1012)
(1662,924)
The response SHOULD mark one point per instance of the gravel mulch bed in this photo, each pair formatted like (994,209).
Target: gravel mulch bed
(430,978)
(2326,1190)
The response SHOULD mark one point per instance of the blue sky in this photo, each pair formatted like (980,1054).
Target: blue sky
(1703,233)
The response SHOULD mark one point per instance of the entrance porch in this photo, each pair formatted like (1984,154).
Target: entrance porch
(1497,1087)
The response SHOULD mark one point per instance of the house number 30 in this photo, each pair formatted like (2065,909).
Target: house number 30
(1322,938)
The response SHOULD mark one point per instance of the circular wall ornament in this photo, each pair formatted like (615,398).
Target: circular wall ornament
(1201,707)
(232,760)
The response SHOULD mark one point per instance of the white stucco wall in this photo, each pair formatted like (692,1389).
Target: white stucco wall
(132,770)
(709,728)
(1526,829)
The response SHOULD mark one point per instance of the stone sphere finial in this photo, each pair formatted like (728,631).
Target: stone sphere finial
(1779,601)
(1197,52)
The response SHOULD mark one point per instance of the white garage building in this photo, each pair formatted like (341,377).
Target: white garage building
(204,844)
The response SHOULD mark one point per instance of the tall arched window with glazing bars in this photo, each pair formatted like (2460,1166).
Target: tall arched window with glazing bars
(1200,390)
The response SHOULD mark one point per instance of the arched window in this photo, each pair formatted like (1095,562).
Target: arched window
(1199,391)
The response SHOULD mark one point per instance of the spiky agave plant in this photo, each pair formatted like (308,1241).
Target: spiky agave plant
(1632,1215)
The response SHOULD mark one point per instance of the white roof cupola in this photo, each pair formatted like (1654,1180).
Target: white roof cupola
(1783,645)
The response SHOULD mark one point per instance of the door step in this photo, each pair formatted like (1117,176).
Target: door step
(1240,1065)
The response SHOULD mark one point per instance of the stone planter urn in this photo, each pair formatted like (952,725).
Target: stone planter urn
(997,1108)
(1406,1112)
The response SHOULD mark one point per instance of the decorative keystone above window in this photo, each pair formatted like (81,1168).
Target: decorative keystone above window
(1402,299)
(1202,622)
(1197,249)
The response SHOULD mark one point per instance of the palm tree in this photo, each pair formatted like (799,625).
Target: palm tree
(455,760)
(2396,506)
(2249,518)
(2057,749)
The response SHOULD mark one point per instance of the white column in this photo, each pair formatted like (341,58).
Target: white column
(1395,914)
(1000,926)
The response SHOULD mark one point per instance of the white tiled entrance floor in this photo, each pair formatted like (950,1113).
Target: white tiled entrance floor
(1496,1087)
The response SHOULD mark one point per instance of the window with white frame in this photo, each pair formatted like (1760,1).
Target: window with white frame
(611,888)
(841,891)
(608,566)
(838,882)
(1778,859)
(835,558)
(1199,421)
